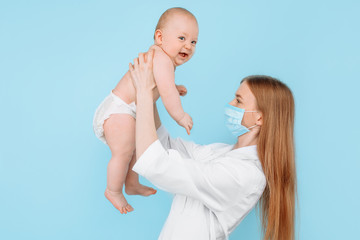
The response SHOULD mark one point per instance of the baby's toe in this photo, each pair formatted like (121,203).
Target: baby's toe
(121,210)
(129,208)
(125,210)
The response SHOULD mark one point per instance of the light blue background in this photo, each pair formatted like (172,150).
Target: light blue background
(59,59)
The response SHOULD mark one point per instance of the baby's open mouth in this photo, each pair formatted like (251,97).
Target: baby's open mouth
(183,54)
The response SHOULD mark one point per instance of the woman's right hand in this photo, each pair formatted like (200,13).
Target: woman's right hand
(142,72)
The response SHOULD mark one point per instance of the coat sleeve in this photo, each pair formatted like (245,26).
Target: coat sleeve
(185,148)
(213,183)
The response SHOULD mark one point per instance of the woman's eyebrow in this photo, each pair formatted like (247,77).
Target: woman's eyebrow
(238,95)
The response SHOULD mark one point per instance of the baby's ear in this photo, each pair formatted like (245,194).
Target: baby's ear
(158,37)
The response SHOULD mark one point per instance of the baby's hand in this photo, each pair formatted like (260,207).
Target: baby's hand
(181,89)
(186,122)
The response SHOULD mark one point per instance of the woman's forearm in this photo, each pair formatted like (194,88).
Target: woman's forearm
(145,123)
(156,117)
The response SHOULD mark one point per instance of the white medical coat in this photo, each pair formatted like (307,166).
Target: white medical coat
(215,187)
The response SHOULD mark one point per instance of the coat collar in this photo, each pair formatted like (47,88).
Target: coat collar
(250,152)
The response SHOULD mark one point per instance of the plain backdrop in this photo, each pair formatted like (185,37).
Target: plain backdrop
(59,59)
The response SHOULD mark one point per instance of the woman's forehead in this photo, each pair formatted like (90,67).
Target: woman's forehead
(243,89)
(244,92)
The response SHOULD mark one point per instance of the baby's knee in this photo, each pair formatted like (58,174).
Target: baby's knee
(122,153)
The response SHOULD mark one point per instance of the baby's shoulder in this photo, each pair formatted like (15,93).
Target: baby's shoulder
(158,50)
(160,57)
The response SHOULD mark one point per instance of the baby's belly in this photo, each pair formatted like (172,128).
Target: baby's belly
(126,90)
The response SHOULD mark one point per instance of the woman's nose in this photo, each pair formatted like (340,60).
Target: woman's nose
(232,103)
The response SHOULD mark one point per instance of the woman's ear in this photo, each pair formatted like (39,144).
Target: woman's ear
(259,119)
(158,37)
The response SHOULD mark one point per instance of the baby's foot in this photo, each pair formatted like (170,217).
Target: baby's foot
(139,189)
(118,200)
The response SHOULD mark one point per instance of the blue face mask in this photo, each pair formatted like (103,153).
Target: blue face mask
(233,118)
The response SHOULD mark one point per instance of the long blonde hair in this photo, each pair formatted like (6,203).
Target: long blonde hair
(276,153)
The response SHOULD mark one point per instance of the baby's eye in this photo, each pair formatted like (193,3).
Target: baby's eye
(193,42)
(181,38)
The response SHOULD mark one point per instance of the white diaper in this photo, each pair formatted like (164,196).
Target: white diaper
(112,104)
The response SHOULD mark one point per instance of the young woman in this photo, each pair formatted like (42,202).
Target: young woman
(217,185)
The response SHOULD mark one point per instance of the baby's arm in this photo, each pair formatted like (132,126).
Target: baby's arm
(164,76)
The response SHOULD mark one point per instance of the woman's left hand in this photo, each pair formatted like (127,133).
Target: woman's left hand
(142,72)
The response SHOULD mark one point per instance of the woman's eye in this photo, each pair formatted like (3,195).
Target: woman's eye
(181,38)
(238,101)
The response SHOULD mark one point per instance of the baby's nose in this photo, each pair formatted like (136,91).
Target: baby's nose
(188,46)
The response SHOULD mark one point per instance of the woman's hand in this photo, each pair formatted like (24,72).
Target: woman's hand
(142,72)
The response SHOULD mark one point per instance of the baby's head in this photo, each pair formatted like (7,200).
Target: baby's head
(177,33)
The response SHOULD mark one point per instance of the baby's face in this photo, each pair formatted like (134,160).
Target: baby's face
(179,38)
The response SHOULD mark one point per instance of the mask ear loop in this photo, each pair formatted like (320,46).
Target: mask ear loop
(255,123)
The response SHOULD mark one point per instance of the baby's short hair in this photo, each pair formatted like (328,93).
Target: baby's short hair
(164,18)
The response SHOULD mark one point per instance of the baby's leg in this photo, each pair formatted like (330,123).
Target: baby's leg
(119,131)
(132,185)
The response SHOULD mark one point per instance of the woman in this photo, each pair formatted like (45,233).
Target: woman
(217,185)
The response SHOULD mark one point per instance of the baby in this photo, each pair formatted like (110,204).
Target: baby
(114,122)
